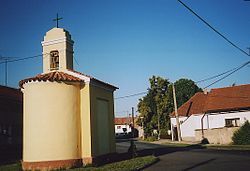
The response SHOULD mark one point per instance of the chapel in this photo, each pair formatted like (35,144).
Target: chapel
(67,116)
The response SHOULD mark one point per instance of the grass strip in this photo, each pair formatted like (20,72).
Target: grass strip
(228,147)
(11,167)
(126,165)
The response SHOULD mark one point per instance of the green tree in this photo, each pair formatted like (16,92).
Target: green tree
(159,102)
(242,135)
(154,105)
(184,89)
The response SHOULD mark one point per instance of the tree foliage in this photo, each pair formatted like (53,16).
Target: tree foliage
(185,89)
(242,136)
(159,102)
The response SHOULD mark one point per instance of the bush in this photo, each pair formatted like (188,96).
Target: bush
(242,136)
(151,139)
(164,134)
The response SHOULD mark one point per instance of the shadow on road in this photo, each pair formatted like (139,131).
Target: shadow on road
(146,149)
(199,164)
(166,150)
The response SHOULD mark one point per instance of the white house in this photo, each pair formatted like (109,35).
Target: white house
(123,126)
(214,115)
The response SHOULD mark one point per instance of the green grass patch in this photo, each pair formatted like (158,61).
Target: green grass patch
(228,147)
(126,165)
(176,144)
(11,167)
(151,139)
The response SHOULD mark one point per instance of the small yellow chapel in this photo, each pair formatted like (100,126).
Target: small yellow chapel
(68,117)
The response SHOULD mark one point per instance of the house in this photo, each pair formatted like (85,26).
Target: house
(10,123)
(10,115)
(214,115)
(68,117)
(123,126)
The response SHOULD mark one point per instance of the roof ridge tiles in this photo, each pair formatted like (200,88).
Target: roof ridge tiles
(66,75)
(220,99)
(51,76)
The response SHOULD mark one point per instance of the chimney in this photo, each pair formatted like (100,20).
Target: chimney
(205,91)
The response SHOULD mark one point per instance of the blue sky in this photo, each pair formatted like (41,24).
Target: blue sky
(124,42)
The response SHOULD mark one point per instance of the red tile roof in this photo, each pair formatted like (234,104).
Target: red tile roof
(229,98)
(123,121)
(69,75)
(195,105)
(51,76)
(217,100)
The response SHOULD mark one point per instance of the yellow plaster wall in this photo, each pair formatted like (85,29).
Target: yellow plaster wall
(85,121)
(51,122)
(100,141)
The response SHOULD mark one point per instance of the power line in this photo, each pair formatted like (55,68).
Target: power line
(212,77)
(203,80)
(29,57)
(245,64)
(21,59)
(76,61)
(131,95)
(215,30)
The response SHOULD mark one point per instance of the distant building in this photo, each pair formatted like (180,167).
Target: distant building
(123,126)
(214,115)
(10,116)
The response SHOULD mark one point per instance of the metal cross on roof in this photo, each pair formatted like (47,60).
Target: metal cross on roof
(57,19)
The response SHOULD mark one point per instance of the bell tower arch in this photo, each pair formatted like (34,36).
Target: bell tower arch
(57,50)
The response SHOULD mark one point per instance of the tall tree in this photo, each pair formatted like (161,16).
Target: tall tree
(153,106)
(158,103)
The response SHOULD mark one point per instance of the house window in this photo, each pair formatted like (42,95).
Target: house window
(232,122)
(54,60)
(118,127)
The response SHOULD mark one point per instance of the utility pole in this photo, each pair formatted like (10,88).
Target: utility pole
(176,115)
(133,121)
(142,124)
(132,148)
(158,123)
(6,72)
(6,60)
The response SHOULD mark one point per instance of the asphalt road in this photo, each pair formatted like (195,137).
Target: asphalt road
(193,157)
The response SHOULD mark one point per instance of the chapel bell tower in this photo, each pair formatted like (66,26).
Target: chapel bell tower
(57,50)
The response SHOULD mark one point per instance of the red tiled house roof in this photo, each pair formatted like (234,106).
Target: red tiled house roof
(195,105)
(122,121)
(217,100)
(229,98)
